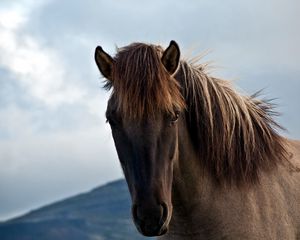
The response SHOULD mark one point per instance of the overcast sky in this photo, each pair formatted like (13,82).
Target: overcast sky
(53,138)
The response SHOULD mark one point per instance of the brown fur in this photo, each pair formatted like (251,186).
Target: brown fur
(142,92)
(235,136)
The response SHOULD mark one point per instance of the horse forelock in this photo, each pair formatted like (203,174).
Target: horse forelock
(141,85)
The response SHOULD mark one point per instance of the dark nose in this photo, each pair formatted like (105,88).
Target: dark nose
(150,219)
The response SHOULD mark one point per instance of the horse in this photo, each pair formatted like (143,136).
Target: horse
(201,160)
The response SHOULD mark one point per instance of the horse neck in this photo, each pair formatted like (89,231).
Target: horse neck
(192,190)
(190,180)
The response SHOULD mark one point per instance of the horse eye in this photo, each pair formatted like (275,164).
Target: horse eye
(175,118)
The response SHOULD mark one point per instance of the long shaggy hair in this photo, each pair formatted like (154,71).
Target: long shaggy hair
(234,135)
(141,85)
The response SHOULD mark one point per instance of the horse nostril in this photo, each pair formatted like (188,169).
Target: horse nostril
(164,212)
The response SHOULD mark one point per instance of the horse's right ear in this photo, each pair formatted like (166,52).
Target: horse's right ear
(104,62)
(171,56)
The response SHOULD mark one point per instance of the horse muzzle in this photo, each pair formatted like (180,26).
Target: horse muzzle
(151,220)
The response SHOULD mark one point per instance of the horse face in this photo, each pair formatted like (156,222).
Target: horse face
(147,151)
(147,147)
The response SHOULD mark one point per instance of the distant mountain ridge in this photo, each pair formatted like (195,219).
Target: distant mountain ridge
(101,214)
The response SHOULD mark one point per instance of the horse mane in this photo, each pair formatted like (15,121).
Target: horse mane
(235,136)
(141,84)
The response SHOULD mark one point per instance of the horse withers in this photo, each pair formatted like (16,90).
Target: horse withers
(201,160)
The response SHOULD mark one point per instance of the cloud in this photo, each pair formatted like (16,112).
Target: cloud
(241,33)
(38,69)
(41,168)
(53,137)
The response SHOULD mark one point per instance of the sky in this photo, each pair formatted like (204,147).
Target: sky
(54,141)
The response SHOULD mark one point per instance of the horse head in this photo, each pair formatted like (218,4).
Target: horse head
(143,112)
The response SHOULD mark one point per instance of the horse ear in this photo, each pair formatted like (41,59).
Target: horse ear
(104,62)
(170,58)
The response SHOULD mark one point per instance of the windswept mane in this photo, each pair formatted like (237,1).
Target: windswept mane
(141,84)
(235,135)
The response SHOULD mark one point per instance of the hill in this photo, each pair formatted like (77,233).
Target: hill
(101,214)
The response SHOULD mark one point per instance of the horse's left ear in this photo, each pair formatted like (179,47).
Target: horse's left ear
(171,56)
